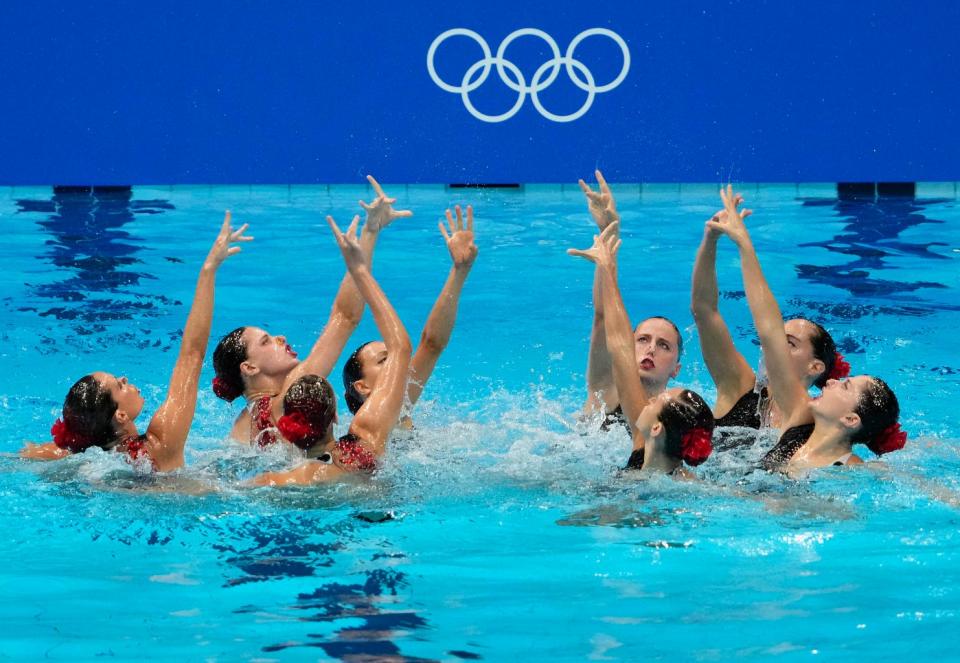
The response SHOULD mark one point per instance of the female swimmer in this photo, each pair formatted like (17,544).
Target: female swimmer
(657,341)
(361,373)
(669,428)
(252,363)
(310,406)
(101,409)
(822,431)
(813,354)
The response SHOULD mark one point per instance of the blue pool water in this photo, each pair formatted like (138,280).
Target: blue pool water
(512,536)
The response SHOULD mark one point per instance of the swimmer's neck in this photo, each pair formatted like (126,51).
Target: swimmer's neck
(653,388)
(827,443)
(261,385)
(124,433)
(655,458)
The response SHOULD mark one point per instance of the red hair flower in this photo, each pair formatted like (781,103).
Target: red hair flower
(294,427)
(224,390)
(890,439)
(696,445)
(841,368)
(65,438)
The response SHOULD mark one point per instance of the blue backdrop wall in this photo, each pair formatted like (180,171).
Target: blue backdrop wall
(299,92)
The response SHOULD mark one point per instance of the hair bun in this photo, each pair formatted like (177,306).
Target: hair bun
(841,368)
(295,427)
(890,439)
(65,438)
(696,445)
(225,390)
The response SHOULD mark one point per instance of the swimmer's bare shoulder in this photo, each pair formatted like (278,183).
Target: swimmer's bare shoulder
(305,474)
(241,428)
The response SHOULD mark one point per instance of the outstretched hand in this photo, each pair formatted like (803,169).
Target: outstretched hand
(730,221)
(380,212)
(601,204)
(459,239)
(604,249)
(222,247)
(349,245)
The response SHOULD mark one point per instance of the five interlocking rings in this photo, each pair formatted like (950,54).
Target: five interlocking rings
(544,76)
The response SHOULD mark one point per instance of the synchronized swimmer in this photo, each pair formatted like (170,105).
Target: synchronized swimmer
(629,369)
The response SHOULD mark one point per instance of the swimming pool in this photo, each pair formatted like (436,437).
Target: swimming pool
(510,533)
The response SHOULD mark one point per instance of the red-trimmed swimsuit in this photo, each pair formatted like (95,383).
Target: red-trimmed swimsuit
(263,430)
(136,448)
(353,455)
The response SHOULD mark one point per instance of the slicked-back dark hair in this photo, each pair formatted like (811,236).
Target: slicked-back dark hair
(230,352)
(88,413)
(682,414)
(878,409)
(824,349)
(353,371)
(313,397)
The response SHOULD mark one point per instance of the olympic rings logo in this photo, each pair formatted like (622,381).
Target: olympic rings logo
(512,77)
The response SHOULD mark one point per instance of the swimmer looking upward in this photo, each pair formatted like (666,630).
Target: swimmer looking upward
(101,409)
(252,363)
(813,354)
(657,341)
(822,431)
(361,373)
(310,405)
(668,428)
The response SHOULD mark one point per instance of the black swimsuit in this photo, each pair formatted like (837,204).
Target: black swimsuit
(788,444)
(636,460)
(616,417)
(745,412)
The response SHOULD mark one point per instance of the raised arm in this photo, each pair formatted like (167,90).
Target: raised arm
(167,432)
(600,384)
(633,396)
(786,389)
(439,325)
(347,307)
(378,416)
(729,370)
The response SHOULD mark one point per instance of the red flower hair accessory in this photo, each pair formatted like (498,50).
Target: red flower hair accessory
(295,427)
(696,445)
(841,368)
(65,438)
(890,439)
(224,389)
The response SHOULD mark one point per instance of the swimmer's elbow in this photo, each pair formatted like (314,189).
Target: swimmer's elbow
(401,346)
(433,343)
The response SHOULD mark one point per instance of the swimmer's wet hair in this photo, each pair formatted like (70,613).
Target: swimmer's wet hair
(88,413)
(878,409)
(353,371)
(230,352)
(683,417)
(311,397)
(675,328)
(825,350)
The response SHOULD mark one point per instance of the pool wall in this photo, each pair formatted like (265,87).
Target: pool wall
(306,92)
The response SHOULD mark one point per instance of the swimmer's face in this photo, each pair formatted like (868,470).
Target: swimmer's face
(125,395)
(657,350)
(839,400)
(266,354)
(805,365)
(649,419)
(372,357)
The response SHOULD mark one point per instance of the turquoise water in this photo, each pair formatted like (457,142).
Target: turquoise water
(511,534)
